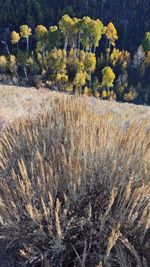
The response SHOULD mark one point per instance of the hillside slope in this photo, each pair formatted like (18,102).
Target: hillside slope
(74,181)
(16,102)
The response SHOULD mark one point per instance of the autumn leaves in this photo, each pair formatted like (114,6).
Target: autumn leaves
(65,54)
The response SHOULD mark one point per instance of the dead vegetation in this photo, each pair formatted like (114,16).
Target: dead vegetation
(74,189)
(16,102)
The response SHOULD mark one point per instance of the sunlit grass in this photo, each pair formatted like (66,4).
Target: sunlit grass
(75,187)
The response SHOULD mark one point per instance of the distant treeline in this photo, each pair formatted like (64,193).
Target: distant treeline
(131,17)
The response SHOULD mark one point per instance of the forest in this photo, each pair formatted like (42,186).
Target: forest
(130,17)
(79,56)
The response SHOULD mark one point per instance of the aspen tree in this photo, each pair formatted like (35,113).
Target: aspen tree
(25,32)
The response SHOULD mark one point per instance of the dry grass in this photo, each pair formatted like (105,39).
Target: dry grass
(16,102)
(75,188)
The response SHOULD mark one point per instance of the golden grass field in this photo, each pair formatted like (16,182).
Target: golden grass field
(18,101)
(75,180)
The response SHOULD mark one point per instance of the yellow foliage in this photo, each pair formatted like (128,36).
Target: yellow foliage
(111,33)
(82,55)
(67,25)
(87,91)
(97,29)
(30,61)
(56,60)
(15,37)
(25,31)
(53,28)
(129,97)
(80,66)
(90,62)
(40,31)
(96,94)
(80,78)
(3,61)
(104,94)
(121,57)
(115,55)
(65,22)
(62,78)
(69,87)
(39,58)
(11,64)
(108,77)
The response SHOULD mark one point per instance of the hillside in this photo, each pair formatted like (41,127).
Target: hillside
(74,181)
(18,102)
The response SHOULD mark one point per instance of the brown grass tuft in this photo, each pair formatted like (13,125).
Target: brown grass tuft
(74,189)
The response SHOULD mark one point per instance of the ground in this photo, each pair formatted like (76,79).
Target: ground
(18,101)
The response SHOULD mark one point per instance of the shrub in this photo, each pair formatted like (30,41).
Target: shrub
(129,97)
(12,64)
(74,189)
(3,63)
(104,94)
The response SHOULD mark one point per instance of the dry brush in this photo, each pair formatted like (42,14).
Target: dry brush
(74,189)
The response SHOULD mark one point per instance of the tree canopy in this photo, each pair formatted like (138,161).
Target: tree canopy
(79,55)
(130,17)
